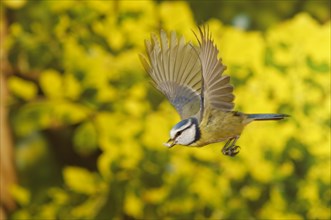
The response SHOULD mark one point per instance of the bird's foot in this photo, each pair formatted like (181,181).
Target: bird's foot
(231,151)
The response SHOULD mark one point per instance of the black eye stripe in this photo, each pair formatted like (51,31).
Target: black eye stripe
(180,132)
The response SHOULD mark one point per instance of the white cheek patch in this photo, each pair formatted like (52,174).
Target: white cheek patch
(187,137)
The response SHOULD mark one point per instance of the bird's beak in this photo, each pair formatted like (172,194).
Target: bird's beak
(170,143)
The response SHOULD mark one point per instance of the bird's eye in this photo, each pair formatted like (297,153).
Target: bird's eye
(179,133)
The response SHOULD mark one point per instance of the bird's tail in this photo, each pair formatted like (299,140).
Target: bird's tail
(263,117)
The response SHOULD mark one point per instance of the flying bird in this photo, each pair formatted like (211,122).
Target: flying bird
(192,79)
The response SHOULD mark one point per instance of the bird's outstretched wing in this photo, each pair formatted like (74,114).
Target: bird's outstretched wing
(217,90)
(175,69)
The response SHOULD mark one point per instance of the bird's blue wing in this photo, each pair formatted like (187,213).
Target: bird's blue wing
(175,69)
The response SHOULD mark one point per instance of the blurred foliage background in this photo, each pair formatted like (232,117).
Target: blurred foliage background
(88,127)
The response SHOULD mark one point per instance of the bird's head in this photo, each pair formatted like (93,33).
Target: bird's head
(185,132)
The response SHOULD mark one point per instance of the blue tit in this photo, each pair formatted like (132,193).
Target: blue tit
(192,79)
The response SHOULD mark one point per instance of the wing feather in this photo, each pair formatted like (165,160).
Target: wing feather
(218,92)
(175,69)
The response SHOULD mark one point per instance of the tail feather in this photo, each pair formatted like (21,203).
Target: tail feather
(262,117)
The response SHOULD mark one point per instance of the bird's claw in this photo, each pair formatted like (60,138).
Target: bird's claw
(231,151)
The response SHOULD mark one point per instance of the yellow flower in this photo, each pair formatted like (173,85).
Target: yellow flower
(22,88)
(133,205)
(184,21)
